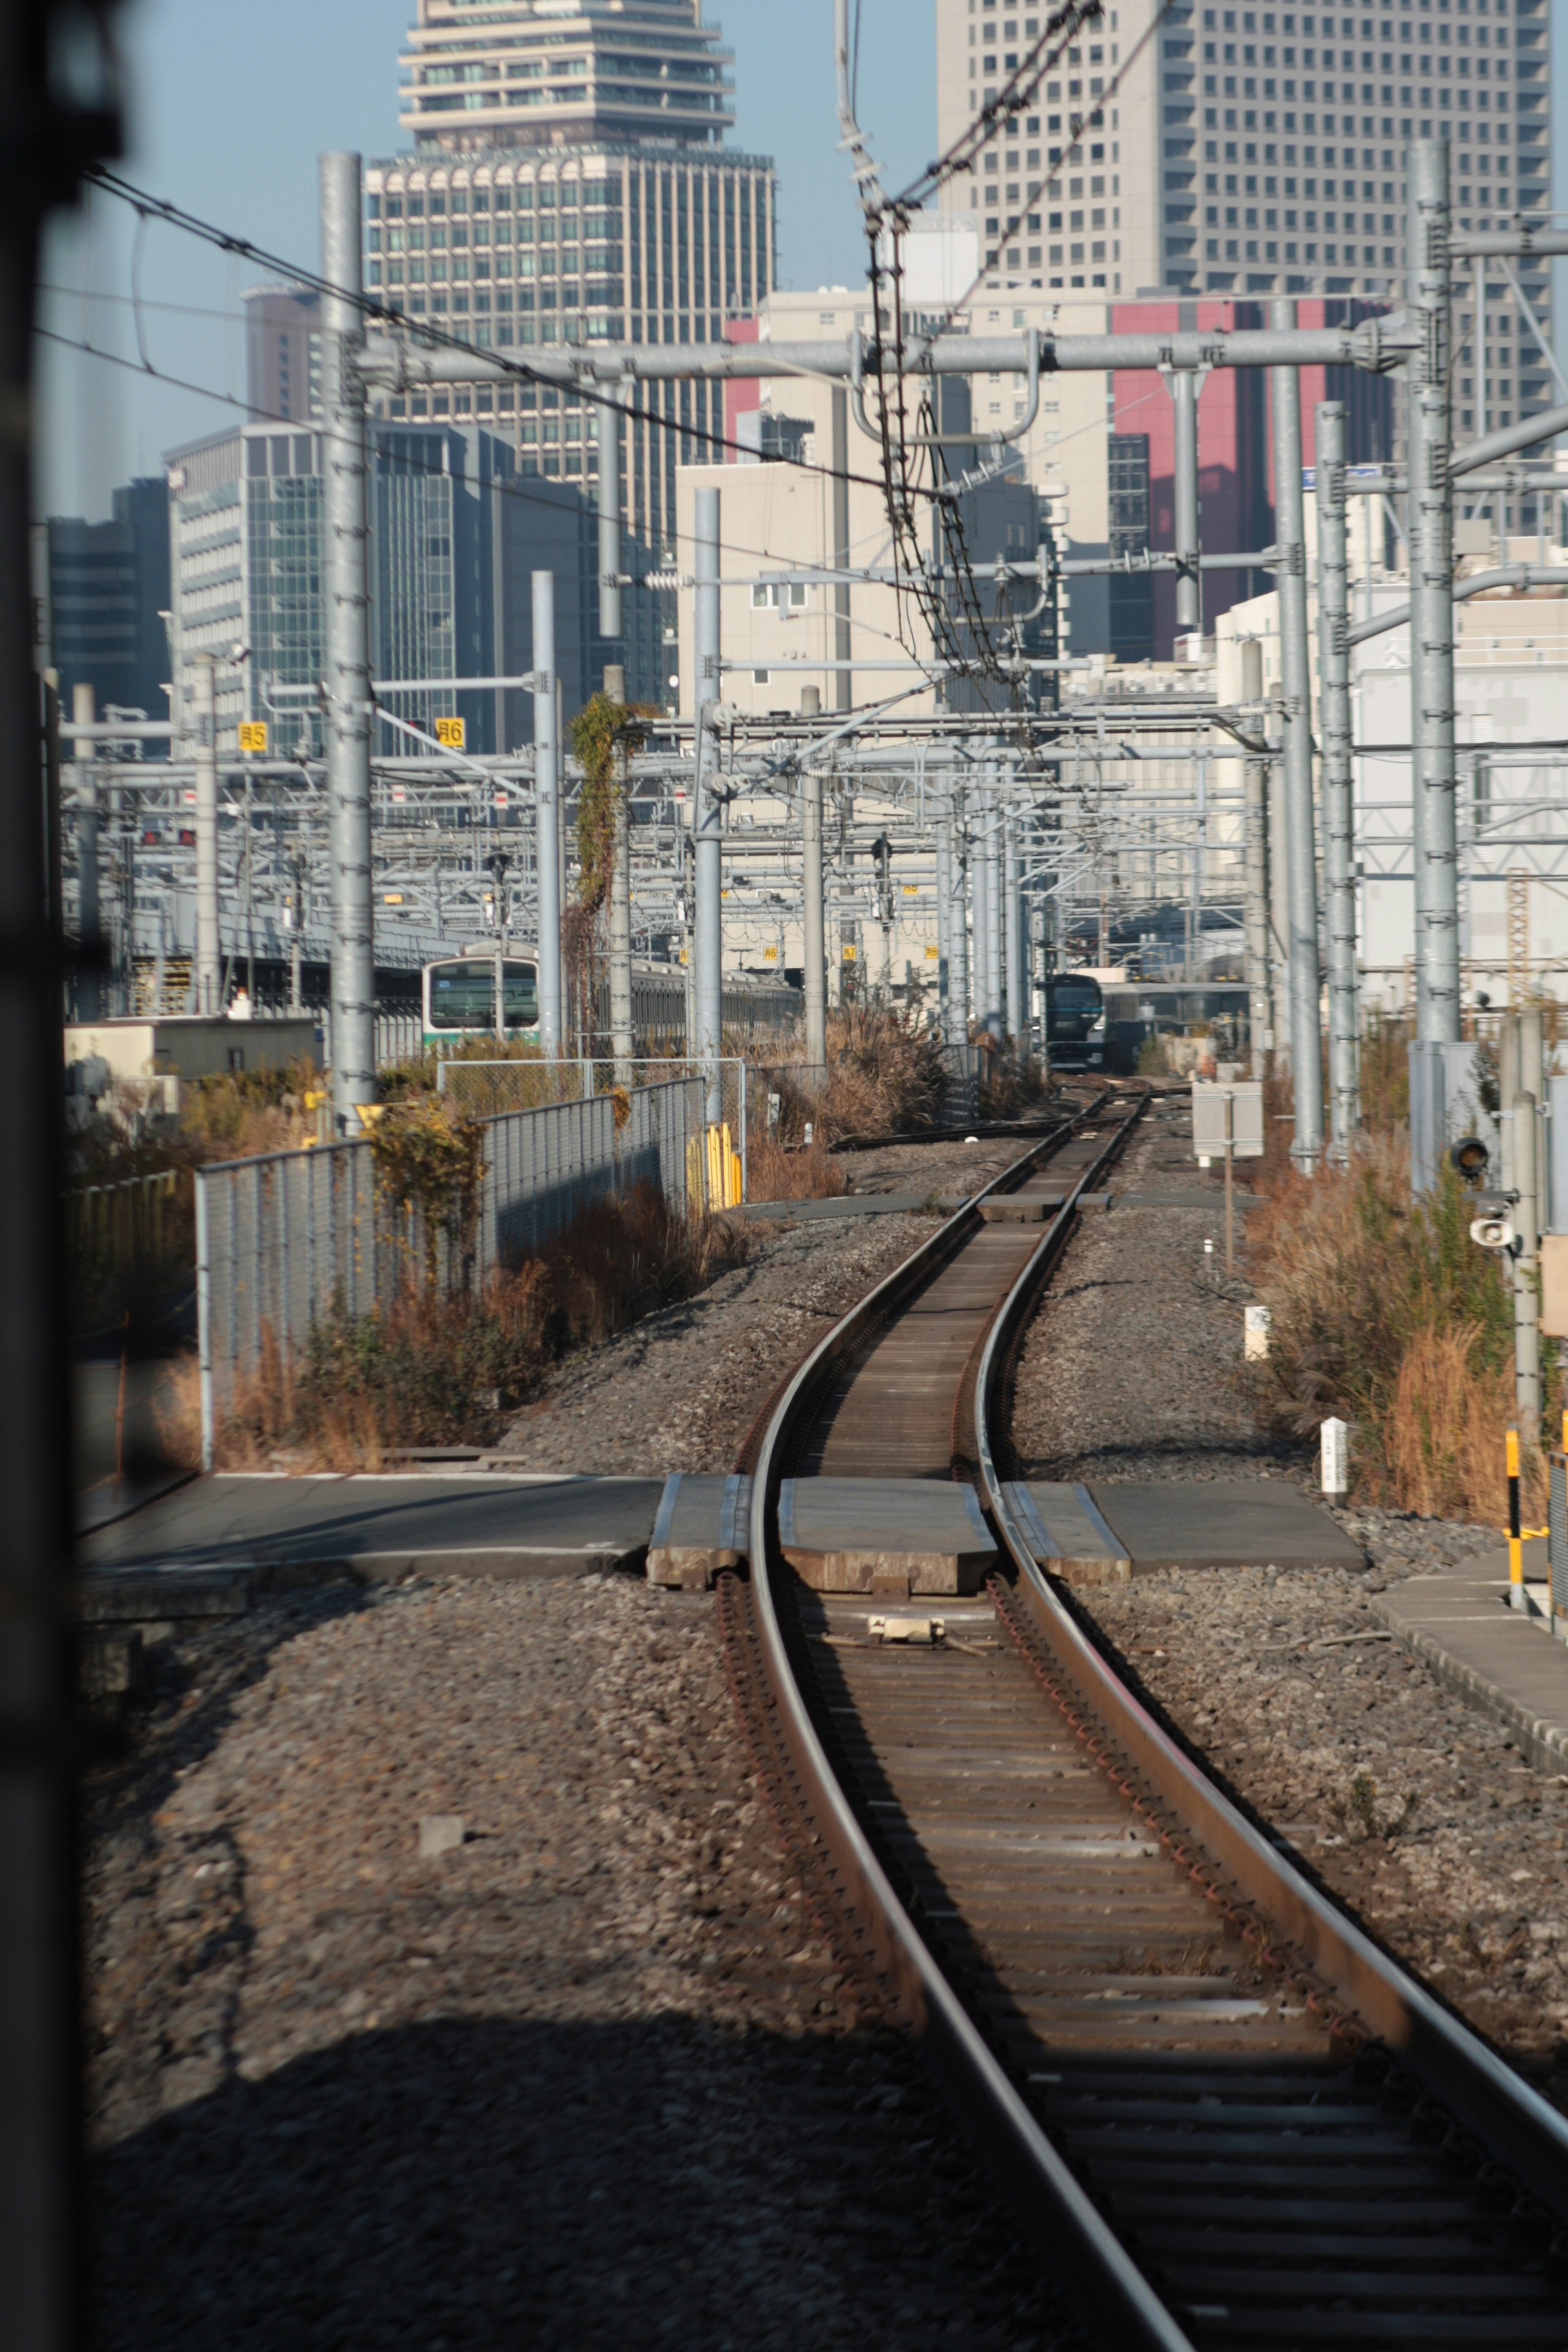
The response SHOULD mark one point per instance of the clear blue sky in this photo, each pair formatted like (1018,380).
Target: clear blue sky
(231,101)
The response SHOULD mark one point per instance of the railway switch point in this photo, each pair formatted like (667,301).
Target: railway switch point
(885,1536)
(699,1528)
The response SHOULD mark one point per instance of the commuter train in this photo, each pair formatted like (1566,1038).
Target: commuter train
(483,992)
(480,993)
(1075,1020)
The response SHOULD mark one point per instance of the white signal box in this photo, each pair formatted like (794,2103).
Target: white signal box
(1229,1114)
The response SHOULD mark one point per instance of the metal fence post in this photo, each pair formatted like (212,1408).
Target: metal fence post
(204,1322)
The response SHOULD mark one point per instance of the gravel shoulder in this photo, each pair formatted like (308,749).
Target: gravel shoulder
(1414,1807)
(591,2079)
(680,1390)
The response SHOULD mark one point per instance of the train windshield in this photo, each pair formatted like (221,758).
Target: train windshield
(1072,1008)
(463,994)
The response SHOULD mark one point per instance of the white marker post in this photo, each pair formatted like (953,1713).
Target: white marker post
(1336,1455)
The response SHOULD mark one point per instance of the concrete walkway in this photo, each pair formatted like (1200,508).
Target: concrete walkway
(1508,1665)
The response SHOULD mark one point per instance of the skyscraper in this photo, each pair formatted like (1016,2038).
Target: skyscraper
(104,587)
(1247,151)
(455,535)
(566,187)
(546,73)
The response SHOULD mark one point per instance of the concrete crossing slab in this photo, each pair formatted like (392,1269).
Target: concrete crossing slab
(270,1527)
(1108,1533)
(1224,1523)
(699,1528)
(893,1535)
(1066,1532)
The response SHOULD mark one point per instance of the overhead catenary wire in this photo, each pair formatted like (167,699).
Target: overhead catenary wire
(436,338)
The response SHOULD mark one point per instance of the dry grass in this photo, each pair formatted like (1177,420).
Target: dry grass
(1388,1316)
(885,1075)
(450,1371)
(801,1172)
(1010,1085)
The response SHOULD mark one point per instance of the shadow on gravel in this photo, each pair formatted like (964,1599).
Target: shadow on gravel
(188,1696)
(1105,1461)
(482,2184)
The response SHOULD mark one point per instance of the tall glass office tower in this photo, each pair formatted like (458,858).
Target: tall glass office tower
(568,184)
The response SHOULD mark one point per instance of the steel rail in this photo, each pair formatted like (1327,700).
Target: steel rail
(1034,2173)
(1495,2102)
(1506,2118)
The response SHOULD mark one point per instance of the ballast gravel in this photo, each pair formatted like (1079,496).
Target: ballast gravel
(680,1390)
(592,2078)
(1411,1806)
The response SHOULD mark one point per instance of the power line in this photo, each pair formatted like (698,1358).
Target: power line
(513,489)
(439,338)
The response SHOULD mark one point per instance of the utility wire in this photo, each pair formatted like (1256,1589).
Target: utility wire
(439,338)
(514,490)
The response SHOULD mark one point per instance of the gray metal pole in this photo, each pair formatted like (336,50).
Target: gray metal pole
(1338,815)
(843,684)
(708,808)
(813,942)
(958,957)
(209,950)
(88,986)
(944,919)
(1431,529)
(609,502)
(988,943)
(1510,1081)
(1526,1290)
(345,568)
(1532,1081)
(1255,790)
(1189,584)
(1013,931)
(547,815)
(1301,860)
(621,1040)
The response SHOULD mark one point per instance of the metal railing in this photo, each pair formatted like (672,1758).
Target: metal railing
(291,1237)
(487,1089)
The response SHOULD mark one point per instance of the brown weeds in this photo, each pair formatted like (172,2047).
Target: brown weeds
(1387,1315)
(801,1171)
(435,1370)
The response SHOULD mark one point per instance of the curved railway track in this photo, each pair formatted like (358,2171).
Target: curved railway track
(1229,2118)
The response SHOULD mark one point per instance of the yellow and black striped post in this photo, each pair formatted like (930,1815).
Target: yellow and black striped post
(1515,1543)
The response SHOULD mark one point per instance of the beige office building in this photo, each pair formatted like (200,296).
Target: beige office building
(1249,149)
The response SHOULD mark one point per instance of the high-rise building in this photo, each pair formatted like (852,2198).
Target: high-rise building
(567,186)
(1247,151)
(546,73)
(283,354)
(456,533)
(103,588)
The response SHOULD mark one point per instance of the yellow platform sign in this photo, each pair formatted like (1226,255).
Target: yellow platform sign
(452,733)
(253,734)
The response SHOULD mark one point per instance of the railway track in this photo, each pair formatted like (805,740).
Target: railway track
(1231,2119)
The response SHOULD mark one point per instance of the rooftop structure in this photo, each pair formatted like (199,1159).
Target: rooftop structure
(548,73)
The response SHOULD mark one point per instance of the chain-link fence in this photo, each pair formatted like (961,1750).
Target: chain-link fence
(286,1239)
